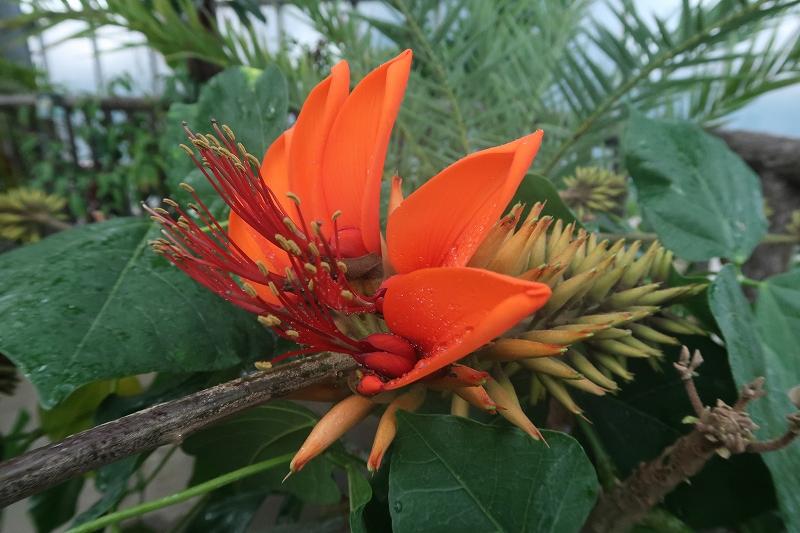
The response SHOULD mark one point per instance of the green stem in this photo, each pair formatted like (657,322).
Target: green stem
(657,63)
(178,497)
(438,71)
(606,470)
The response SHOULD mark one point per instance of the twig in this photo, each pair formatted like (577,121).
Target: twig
(165,423)
(182,496)
(721,429)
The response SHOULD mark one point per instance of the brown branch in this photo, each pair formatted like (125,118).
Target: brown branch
(721,429)
(165,423)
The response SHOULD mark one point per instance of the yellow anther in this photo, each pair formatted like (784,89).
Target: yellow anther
(325,266)
(293,197)
(253,160)
(170,202)
(293,248)
(316,226)
(228,132)
(289,223)
(315,251)
(262,268)
(263,365)
(292,333)
(249,290)
(274,289)
(270,320)
(336,214)
(186,149)
(341,266)
(186,187)
(160,211)
(347,295)
(311,269)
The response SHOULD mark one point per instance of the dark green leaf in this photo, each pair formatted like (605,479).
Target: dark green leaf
(453,474)
(55,506)
(700,197)
(359,494)
(227,512)
(96,303)
(112,483)
(535,188)
(259,434)
(252,102)
(766,344)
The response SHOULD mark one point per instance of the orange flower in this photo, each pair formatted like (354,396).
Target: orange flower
(302,219)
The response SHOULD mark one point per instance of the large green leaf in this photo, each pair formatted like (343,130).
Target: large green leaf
(252,102)
(766,343)
(259,434)
(96,303)
(56,505)
(536,188)
(700,198)
(452,474)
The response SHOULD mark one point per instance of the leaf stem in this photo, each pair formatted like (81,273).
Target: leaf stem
(631,82)
(178,497)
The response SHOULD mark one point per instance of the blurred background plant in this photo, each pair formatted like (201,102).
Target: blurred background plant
(94,144)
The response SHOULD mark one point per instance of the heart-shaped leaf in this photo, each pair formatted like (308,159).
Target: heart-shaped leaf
(450,474)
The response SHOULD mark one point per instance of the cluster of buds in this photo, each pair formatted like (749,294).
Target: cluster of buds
(594,189)
(607,306)
(26,215)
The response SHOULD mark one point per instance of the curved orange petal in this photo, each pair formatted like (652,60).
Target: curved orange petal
(311,132)
(274,172)
(352,166)
(443,222)
(275,169)
(450,312)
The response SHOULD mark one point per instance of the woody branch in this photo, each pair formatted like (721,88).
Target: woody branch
(721,429)
(165,423)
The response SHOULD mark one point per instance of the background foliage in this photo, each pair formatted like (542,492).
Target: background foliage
(89,307)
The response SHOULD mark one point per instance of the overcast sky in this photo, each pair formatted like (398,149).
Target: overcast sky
(70,64)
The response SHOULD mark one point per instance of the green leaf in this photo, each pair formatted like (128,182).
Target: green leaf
(700,198)
(258,434)
(359,494)
(76,413)
(112,483)
(96,303)
(536,188)
(765,343)
(252,102)
(227,512)
(453,474)
(55,506)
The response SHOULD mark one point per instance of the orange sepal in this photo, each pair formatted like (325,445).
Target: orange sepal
(387,427)
(451,312)
(335,423)
(352,165)
(443,222)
